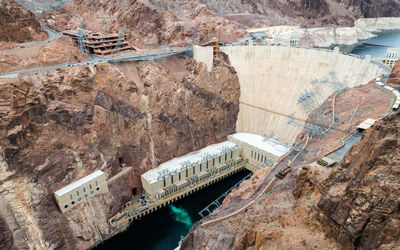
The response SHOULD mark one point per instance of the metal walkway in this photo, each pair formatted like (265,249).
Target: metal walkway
(218,202)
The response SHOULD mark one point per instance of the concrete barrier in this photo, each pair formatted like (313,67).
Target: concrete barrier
(204,55)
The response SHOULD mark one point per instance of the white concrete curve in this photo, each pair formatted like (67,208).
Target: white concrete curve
(272,78)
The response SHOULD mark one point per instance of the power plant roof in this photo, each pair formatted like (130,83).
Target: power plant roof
(263,143)
(78,183)
(178,163)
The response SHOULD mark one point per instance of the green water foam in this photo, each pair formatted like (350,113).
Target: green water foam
(181,215)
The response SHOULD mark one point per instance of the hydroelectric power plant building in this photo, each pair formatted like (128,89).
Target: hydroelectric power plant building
(77,191)
(183,175)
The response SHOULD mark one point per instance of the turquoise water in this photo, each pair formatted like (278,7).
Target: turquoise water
(389,39)
(164,228)
(181,215)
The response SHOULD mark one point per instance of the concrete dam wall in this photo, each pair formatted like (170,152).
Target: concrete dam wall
(281,85)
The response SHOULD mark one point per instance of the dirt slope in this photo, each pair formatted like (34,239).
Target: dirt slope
(18,24)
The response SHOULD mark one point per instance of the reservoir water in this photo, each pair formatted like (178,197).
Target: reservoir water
(388,39)
(163,229)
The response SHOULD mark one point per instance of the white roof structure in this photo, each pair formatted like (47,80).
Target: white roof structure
(366,124)
(179,163)
(263,143)
(389,88)
(78,183)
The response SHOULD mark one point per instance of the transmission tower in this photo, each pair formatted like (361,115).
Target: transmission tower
(310,102)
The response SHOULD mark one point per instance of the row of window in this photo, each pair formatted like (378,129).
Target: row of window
(80,198)
(261,158)
(256,156)
(195,179)
(200,168)
(84,190)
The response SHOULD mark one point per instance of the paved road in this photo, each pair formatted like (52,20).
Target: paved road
(96,60)
(52,36)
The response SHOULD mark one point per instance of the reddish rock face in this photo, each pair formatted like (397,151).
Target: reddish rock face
(360,204)
(58,51)
(18,24)
(147,24)
(60,126)
(394,79)
(306,181)
(366,8)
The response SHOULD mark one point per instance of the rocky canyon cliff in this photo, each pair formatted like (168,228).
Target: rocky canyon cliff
(18,24)
(60,126)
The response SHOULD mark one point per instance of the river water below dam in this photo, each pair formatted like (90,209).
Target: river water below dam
(163,229)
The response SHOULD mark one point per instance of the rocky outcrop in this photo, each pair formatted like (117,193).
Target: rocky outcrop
(59,126)
(18,24)
(360,205)
(307,180)
(59,51)
(304,12)
(147,23)
(366,8)
(394,79)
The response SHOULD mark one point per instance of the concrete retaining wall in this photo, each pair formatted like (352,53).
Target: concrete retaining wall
(204,55)
(272,79)
(375,24)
